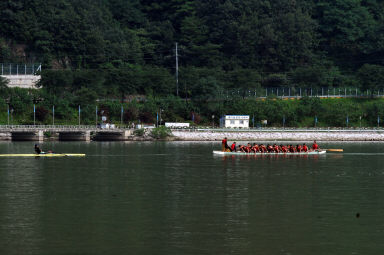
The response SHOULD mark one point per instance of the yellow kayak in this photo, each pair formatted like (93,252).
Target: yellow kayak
(44,155)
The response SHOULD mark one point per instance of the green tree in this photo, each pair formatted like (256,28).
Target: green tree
(371,77)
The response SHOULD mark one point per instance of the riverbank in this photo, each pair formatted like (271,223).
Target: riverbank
(248,135)
(282,135)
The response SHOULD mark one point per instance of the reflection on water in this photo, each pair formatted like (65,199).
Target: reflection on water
(178,198)
(20,206)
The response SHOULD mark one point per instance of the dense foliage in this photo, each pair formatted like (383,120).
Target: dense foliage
(331,112)
(119,50)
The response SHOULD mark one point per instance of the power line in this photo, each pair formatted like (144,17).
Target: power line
(177,73)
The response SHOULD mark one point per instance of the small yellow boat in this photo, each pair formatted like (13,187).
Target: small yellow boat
(44,155)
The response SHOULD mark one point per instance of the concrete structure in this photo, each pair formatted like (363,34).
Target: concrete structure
(235,121)
(176,124)
(27,135)
(257,135)
(112,136)
(21,75)
(22,81)
(75,136)
(64,133)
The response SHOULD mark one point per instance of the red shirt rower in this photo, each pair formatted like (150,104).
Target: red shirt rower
(299,148)
(233,146)
(255,148)
(224,145)
(275,148)
(315,146)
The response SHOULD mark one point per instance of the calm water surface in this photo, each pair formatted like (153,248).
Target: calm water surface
(178,198)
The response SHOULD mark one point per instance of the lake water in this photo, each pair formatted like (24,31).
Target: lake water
(178,198)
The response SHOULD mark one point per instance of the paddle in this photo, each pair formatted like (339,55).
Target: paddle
(334,150)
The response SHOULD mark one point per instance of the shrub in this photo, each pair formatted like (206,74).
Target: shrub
(41,113)
(139,132)
(161,132)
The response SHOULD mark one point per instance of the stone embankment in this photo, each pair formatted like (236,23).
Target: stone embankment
(281,135)
(255,135)
(5,136)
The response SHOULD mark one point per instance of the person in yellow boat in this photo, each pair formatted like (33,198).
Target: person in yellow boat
(39,151)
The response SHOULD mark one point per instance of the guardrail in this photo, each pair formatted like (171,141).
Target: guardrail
(329,129)
(59,127)
(195,129)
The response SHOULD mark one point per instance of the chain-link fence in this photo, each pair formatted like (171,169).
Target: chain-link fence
(293,92)
(20,69)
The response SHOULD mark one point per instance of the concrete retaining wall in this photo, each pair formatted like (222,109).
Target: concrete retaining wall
(5,136)
(280,136)
(22,81)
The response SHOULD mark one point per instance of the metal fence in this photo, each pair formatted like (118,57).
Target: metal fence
(20,69)
(294,92)
(59,127)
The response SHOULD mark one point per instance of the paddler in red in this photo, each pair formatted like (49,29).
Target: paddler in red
(248,148)
(275,148)
(233,147)
(255,148)
(305,148)
(242,148)
(315,146)
(298,148)
(224,145)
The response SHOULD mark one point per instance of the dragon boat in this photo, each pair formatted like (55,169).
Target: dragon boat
(319,152)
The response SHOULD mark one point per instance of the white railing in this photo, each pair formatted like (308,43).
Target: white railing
(196,128)
(279,129)
(59,127)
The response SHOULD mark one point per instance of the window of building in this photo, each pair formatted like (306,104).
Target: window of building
(242,122)
(232,122)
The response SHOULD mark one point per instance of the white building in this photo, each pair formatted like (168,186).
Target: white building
(235,121)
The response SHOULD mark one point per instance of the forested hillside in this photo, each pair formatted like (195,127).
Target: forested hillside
(111,49)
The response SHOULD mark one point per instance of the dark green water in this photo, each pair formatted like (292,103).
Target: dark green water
(177,198)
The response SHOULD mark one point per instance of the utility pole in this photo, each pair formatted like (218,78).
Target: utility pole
(121,117)
(177,72)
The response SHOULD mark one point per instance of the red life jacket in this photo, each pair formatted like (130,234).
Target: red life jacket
(315,146)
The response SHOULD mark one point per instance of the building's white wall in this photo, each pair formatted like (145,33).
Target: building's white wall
(236,123)
(22,81)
